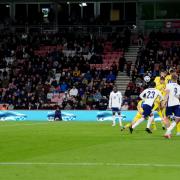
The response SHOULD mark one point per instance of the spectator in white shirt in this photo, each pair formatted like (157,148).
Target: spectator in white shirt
(125,106)
(73,91)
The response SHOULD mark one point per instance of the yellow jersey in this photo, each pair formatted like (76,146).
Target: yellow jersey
(161,88)
(157,80)
(167,79)
(139,106)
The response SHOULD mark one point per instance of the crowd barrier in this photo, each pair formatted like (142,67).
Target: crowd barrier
(67,115)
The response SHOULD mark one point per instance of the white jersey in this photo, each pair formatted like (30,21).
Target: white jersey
(115,99)
(174,93)
(149,96)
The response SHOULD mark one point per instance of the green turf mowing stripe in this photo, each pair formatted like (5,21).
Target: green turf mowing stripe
(87,164)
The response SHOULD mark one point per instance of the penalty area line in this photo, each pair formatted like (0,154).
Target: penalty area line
(88,164)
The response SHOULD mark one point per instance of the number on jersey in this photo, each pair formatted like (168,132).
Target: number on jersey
(175,91)
(150,94)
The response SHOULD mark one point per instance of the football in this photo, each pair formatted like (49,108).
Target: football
(147,78)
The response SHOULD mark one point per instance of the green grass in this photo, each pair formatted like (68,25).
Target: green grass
(79,142)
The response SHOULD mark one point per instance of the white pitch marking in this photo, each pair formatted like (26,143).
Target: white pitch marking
(87,164)
(19,124)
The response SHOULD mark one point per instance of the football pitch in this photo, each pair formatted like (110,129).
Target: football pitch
(85,150)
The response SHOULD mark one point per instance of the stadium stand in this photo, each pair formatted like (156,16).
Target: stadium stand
(39,70)
(162,51)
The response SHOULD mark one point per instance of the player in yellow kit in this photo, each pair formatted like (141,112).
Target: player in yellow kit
(169,76)
(157,105)
(139,116)
(157,80)
(178,129)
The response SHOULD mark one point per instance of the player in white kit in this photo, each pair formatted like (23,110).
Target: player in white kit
(148,96)
(172,104)
(115,102)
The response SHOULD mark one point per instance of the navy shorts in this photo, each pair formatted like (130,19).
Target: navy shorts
(115,110)
(173,110)
(146,110)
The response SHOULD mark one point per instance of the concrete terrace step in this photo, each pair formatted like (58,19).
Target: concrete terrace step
(122,85)
(131,52)
(130,55)
(122,82)
(123,77)
(133,48)
(130,59)
(122,73)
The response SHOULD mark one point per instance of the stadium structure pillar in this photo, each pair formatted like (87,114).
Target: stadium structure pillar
(27,10)
(81,12)
(138,15)
(12,11)
(56,16)
(124,10)
(69,9)
(155,14)
(97,9)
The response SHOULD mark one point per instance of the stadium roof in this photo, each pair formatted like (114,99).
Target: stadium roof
(59,1)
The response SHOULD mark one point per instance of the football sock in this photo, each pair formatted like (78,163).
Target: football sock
(150,121)
(154,125)
(171,127)
(137,123)
(178,128)
(114,120)
(120,121)
(127,125)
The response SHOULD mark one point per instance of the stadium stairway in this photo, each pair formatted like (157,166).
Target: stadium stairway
(131,54)
(122,79)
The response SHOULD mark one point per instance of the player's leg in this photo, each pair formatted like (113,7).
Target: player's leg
(138,121)
(170,111)
(114,111)
(155,108)
(178,129)
(169,129)
(160,113)
(146,113)
(120,120)
(149,122)
(153,125)
(113,118)
(136,118)
(166,120)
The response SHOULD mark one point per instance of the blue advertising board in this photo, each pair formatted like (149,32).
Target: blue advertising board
(67,115)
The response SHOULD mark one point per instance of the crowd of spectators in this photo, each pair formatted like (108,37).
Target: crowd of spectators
(32,81)
(152,58)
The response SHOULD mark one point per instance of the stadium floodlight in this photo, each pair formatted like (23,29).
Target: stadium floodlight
(68,2)
(83,4)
